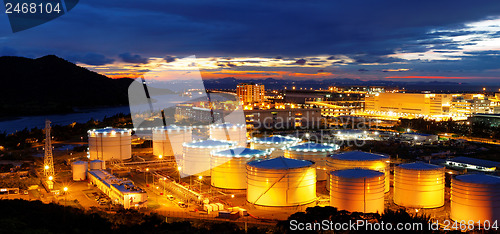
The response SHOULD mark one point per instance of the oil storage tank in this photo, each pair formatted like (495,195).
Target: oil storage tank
(315,152)
(196,159)
(110,143)
(281,182)
(97,165)
(419,185)
(276,143)
(229,132)
(357,190)
(229,166)
(475,197)
(168,140)
(79,169)
(359,159)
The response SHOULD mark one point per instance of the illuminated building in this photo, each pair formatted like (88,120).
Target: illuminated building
(357,190)
(250,92)
(314,152)
(359,159)
(229,167)
(110,143)
(472,164)
(193,113)
(284,118)
(409,104)
(120,191)
(281,182)
(420,137)
(475,197)
(492,120)
(419,185)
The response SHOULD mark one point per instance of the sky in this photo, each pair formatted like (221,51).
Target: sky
(284,39)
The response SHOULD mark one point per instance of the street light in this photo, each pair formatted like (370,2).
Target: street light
(145,175)
(160,156)
(164,178)
(65,189)
(51,178)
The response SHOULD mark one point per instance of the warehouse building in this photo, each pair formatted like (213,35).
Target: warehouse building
(120,191)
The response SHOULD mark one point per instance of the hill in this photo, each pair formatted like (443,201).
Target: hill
(50,84)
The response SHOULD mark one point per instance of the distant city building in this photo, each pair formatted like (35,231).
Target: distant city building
(409,104)
(284,118)
(472,164)
(420,137)
(250,92)
(192,113)
(492,120)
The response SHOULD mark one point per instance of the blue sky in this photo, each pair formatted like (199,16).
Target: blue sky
(400,40)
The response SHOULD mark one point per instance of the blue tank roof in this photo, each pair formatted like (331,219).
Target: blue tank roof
(359,156)
(280,163)
(479,179)
(209,144)
(241,152)
(310,146)
(356,173)
(420,166)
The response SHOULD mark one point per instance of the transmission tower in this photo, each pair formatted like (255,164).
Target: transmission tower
(48,160)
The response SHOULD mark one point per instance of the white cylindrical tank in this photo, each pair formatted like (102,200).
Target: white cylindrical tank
(229,132)
(315,152)
(97,165)
(419,185)
(196,158)
(79,169)
(357,190)
(281,182)
(276,143)
(359,159)
(110,143)
(475,197)
(168,140)
(229,167)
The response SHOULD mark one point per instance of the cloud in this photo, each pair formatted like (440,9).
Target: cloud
(301,61)
(133,58)
(8,51)
(91,59)
(169,59)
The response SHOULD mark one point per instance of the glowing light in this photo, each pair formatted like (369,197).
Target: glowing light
(65,189)
(200,177)
(51,178)
(47,167)
(160,156)
(179,168)
(232,195)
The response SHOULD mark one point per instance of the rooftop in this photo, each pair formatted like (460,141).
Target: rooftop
(210,144)
(479,179)
(280,163)
(109,130)
(420,166)
(475,161)
(359,156)
(122,185)
(241,152)
(357,173)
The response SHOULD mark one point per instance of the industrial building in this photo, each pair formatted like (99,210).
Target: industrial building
(281,182)
(277,144)
(419,185)
(472,164)
(229,166)
(110,144)
(357,190)
(492,120)
(420,138)
(284,118)
(197,159)
(229,132)
(359,159)
(475,197)
(313,152)
(120,191)
(168,140)
(79,169)
(409,104)
(250,92)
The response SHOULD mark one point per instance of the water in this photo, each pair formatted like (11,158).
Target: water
(20,123)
